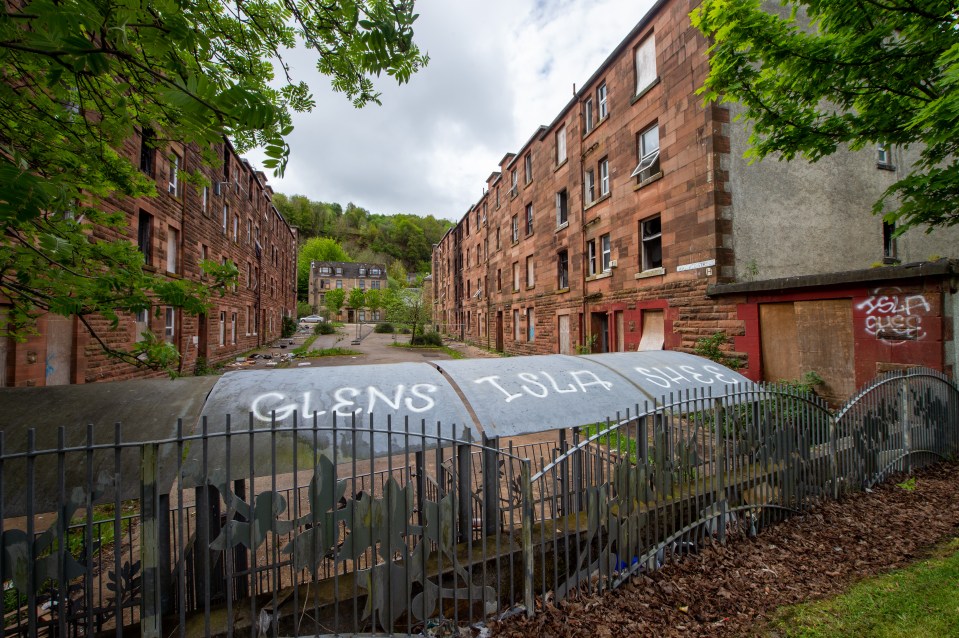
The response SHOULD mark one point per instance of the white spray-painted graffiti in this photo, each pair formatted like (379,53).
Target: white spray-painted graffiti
(895,316)
(531,385)
(346,401)
(666,376)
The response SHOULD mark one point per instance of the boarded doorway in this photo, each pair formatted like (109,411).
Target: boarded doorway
(59,361)
(806,336)
(565,344)
(499,330)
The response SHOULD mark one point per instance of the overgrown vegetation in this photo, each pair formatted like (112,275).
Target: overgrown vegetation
(921,601)
(712,348)
(323,328)
(430,338)
(331,352)
(384,328)
(288,327)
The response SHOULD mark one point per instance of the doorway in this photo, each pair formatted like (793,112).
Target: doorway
(499,330)
(600,329)
(565,345)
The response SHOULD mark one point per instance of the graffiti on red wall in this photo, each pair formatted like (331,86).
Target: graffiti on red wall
(895,316)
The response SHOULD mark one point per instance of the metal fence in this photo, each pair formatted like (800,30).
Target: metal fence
(439,529)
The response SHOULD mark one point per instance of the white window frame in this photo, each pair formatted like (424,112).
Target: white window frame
(174,187)
(591,258)
(648,151)
(647,240)
(515,275)
(226,218)
(606,253)
(528,167)
(588,121)
(530,272)
(589,186)
(172,246)
(169,324)
(515,229)
(601,99)
(604,177)
(562,208)
(529,219)
(233,328)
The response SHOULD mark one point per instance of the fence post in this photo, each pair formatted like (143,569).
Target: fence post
(150,606)
(719,484)
(526,488)
(904,422)
(419,459)
(491,485)
(834,455)
(577,487)
(464,491)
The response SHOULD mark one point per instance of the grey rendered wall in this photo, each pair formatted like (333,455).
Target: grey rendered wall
(798,218)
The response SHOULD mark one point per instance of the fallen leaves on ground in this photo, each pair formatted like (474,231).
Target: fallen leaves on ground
(727,590)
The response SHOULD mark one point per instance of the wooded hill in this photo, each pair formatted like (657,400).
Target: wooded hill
(366,236)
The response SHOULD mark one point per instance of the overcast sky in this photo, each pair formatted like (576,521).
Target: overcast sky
(498,69)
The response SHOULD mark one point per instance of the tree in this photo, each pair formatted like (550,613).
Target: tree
(407,306)
(374,300)
(334,302)
(315,249)
(819,74)
(80,77)
(357,299)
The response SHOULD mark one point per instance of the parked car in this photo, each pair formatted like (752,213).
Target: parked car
(311,319)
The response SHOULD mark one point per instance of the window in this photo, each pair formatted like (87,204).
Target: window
(172,242)
(467,225)
(362,285)
(589,186)
(604,245)
(169,326)
(516,332)
(174,187)
(651,231)
(222,331)
(145,237)
(528,167)
(562,208)
(561,145)
(530,325)
(236,229)
(515,235)
(883,157)
(375,284)
(514,180)
(530,274)
(249,230)
(226,217)
(497,197)
(601,101)
(515,276)
(147,152)
(375,272)
(142,323)
(889,252)
(362,272)
(249,275)
(206,199)
(645,64)
(647,147)
(339,271)
(499,279)
(591,257)
(588,114)
(497,238)
(562,270)
(339,283)
(529,219)
(604,177)
(233,328)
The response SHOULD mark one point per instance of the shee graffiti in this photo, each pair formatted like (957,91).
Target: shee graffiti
(895,316)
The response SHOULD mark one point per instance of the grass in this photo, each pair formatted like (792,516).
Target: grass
(921,601)
(304,347)
(331,352)
(453,354)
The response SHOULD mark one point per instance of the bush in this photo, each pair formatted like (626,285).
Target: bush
(323,328)
(288,327)
(404,330)
(384,328)
(428,339)
(711,348)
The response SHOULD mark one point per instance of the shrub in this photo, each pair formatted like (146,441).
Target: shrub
(323,329)
(428,339)
(711,348)
(288,327)
(384,328)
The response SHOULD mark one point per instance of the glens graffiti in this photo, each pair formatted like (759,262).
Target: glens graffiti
(894,316)
(345,401)
(540,385)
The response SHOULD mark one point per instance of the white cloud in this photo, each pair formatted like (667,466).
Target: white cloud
(498,69)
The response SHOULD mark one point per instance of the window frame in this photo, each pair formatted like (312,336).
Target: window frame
(591,255)
(528,167)
(653,239)
(602,101)
(588,117)
(649,158)
(560,138)
(530,271)
(606,252)
(562,208)
(529,219)
(562,270)
(603,177)
(645,52)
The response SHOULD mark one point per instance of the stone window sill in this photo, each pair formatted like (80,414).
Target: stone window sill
(561,164)
(562,226)
(652,272)
(646,182)
(600,200)
(602,275)
(644,91)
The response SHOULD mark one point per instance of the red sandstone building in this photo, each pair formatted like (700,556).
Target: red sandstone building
(233,220)
(631,221)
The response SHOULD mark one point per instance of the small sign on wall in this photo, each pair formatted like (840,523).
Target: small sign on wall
(697,265)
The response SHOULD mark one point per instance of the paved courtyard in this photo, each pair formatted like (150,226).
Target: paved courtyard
(374,348)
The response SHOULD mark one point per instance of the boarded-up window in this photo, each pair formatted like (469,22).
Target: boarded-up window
(645,63)
(653,331)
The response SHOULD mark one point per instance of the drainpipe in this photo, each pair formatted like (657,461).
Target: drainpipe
(582,225)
